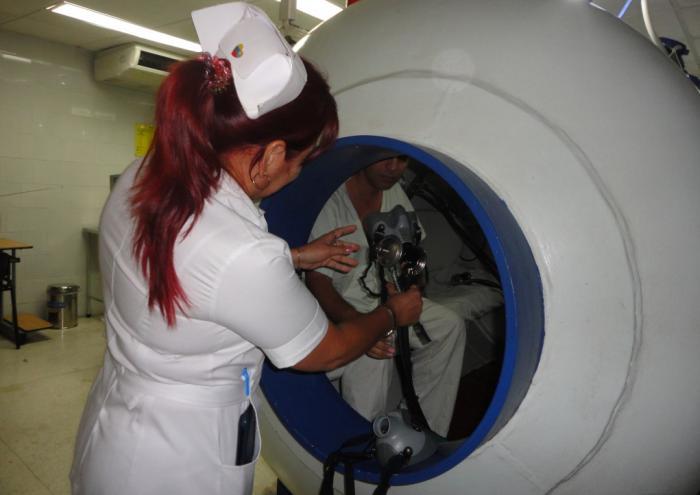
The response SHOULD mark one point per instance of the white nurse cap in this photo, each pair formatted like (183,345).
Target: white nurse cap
(267,73)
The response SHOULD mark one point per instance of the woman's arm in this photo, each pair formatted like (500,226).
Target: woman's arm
(348,340)
(333,304)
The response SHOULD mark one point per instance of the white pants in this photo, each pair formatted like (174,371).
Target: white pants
(143,438)
(437,367)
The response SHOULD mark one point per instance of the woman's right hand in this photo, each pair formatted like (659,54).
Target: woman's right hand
(346,341)
(407,306)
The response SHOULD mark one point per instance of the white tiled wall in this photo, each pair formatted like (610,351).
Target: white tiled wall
(61,136)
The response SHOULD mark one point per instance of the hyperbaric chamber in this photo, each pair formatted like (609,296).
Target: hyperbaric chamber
(574,142)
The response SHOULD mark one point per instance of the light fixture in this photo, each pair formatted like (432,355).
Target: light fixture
(15,58)
(320,9)
(115,24)
(624,9)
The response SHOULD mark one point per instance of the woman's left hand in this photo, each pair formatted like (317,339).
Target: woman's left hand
(329,251)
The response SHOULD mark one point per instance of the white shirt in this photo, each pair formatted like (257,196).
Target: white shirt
(240,281)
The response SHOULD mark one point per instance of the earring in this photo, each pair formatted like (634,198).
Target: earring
(259,187)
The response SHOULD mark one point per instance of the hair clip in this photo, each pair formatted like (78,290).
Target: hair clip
(217,72)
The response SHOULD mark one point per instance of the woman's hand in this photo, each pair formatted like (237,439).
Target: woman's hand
(406,309)
(329,251)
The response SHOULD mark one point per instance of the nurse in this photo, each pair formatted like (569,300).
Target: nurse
(196,290)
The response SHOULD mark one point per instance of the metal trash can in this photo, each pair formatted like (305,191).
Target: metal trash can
(62,305)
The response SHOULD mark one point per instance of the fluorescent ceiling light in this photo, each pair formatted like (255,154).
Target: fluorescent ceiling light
(624,9)
(15,58)
(320,9)
(115,24)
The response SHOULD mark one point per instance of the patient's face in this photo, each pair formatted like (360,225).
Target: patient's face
(385,173)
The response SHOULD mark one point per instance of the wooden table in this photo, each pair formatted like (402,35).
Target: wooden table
(24,322)
(10,245)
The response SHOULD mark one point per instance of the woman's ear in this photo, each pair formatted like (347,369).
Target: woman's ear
(274,157)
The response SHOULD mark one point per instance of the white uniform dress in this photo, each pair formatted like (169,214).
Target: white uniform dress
(162,415)
(436,366)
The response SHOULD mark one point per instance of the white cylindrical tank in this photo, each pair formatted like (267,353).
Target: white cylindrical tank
(590,137)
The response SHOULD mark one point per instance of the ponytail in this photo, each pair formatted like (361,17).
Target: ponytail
(177,176)
(183,168)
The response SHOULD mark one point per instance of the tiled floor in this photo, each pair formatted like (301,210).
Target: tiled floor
(43,386)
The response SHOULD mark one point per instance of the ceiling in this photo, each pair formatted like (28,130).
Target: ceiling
(169,16)
(679,19)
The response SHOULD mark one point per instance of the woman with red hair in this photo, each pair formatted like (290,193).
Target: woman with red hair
(196,290)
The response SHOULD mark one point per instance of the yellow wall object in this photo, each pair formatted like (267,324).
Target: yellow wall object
(143,135)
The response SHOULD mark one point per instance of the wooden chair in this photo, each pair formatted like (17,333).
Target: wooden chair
(7,284)
(21,322)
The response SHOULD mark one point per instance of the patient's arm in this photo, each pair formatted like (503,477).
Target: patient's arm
(333,304)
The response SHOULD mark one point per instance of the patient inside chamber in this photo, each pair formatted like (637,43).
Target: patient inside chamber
(456,350)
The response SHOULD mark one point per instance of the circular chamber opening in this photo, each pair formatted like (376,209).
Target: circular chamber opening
(463,216)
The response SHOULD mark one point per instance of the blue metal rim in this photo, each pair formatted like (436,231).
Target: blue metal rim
(307,405)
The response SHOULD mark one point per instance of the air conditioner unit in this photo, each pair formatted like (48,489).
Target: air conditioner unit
(133,66)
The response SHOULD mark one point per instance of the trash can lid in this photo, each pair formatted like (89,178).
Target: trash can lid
(63,288)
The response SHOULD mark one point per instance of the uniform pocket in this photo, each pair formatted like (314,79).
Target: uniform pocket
(229,420)
(235,479)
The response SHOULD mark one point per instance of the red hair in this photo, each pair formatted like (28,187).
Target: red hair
(183,167)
